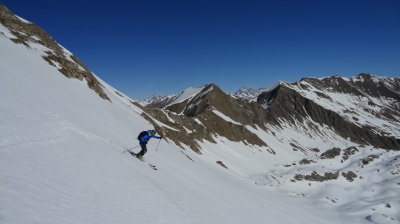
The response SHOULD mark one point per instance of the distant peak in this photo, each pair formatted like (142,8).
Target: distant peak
(247,93)
(156,98)
(364,75)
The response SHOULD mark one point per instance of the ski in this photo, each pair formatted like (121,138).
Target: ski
(134,155)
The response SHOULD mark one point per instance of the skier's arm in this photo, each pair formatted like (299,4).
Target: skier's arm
(157,137)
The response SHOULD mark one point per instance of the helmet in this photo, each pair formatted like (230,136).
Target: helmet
(153,132)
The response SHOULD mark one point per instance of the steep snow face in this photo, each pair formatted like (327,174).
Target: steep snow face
(186,95)
(32,36)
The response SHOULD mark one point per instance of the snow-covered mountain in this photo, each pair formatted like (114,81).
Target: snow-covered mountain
(353,111)
(324,108)
(248,93)
(155,99)
(315,151)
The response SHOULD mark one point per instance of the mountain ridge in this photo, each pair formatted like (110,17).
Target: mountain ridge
(29,34)
(304,109)
(307,108)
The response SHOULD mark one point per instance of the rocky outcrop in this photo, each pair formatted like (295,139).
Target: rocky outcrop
(209,113)
(69,65)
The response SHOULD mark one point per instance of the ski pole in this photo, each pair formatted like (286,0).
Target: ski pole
(130,149)
(158,144)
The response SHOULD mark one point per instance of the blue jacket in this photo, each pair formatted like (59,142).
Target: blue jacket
(145,138)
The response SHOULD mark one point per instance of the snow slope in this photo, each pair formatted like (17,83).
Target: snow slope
(355,108)
(62,161)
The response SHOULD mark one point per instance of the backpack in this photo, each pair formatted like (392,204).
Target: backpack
(143,133)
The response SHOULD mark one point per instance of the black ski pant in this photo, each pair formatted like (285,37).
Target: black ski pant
(144,148)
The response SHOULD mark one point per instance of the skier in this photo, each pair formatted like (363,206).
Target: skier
(143,138)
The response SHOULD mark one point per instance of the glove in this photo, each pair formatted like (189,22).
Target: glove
(159,137)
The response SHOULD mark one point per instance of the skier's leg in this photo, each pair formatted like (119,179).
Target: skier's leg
(144,149)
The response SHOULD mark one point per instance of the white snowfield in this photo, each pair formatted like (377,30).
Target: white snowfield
(62,161)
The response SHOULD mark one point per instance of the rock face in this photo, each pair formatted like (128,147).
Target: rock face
(329,102)
(27,33)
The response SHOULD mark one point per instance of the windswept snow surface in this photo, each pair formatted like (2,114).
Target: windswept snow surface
(62,161)
(186,94)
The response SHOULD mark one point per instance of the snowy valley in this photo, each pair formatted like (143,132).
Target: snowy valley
(321,150)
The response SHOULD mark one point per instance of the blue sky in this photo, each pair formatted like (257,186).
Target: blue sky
(163,47)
